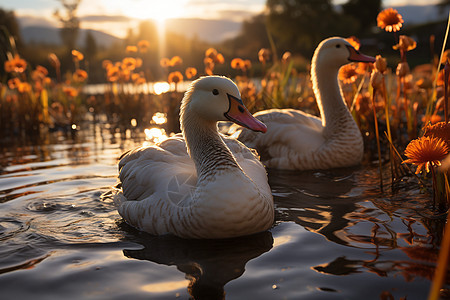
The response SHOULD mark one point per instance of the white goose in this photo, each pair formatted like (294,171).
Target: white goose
(299,141)
(216,189)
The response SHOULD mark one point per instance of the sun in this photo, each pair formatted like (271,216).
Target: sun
(158,10)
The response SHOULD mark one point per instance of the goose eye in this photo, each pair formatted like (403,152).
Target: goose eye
(338,46)
(215,92)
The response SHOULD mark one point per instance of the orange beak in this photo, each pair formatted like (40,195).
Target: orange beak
(239,114)
(356,56)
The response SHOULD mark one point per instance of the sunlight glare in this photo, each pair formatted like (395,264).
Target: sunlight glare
(161,87)
(159,118)
(154,9)
(155,135)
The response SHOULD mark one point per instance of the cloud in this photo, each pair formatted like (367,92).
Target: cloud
(27,21)
(105,18)
(237,15)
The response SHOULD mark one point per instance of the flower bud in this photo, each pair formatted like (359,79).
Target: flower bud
(376,79)
(402,69)
(380,64)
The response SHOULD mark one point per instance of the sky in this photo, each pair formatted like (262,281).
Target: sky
(116,16)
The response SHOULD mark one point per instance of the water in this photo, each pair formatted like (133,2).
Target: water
(335,237)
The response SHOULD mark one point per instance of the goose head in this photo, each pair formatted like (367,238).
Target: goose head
(217,98)
(336,52)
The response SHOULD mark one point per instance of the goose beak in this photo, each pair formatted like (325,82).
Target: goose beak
(356,56)
(239,114)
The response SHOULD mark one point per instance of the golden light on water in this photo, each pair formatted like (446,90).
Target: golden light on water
(154,135)
(281,240)
(166,286)
(159,118)
(161,87)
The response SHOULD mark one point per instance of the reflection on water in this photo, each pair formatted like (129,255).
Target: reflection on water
(335,236)
(208,264)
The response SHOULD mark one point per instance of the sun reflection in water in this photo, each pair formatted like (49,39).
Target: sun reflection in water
(154,136)
(281,240)
(159,118)
(161,87)
(166,286)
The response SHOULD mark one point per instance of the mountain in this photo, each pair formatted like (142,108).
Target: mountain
(206,30)
(35,29)
(50,35)
(419,14)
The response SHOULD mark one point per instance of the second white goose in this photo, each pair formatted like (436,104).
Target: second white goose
(299,141)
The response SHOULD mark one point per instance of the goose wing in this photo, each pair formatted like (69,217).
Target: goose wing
(165,170)
(286,128)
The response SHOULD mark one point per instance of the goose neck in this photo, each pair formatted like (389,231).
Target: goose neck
(206,147)
(328,94)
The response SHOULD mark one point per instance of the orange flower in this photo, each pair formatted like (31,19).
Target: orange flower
(143,46)
(405,43)
(80,75)
(354,41)
(209,65)
(42,70)
(13,83)
(131,49)
(190,72)
(9,66)
(439,130)
(16,64)
(125,74)
(264,55)
(19,64)
(175,61)
(219,59)
(175,77)
(165,62)
(129,63)
(446,56)
(211,53)
(348,74)
(106,64)
(139,62)
(24,87)
(247,64)
(70,91)
(426,151)
(238,63)
(113,73)
(77,55)
(390,20)
(137,78)
(37,76)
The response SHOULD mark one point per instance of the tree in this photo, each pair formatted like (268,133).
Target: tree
(9,22)
(443,4)
(364,11)
(70,26)
(300,25)
(252,37)
(91,48)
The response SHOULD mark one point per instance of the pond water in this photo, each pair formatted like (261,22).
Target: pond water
(336,236)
